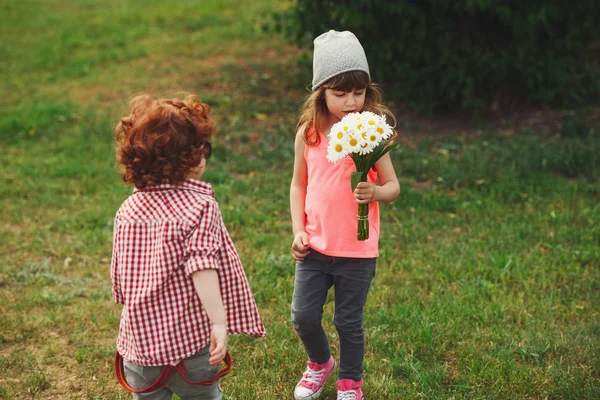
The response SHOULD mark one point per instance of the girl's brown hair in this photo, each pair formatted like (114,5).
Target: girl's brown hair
(162,140)
(315,108)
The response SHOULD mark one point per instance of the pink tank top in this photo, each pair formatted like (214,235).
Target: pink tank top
(331,209)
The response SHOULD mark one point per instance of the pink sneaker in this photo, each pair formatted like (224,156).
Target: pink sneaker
(349,390)
(311,384)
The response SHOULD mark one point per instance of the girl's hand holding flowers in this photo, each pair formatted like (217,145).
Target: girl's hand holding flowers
(365,192)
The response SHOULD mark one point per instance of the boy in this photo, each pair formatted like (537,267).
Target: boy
(174,267)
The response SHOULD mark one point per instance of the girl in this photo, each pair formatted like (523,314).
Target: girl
(174,266)
(324,217)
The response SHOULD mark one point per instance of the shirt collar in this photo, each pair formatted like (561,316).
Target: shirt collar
(189,184)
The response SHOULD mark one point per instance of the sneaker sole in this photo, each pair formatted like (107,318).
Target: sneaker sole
(317,394)
(313,396)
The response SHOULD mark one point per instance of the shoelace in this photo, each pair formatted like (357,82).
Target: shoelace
(347,395)
(313,376)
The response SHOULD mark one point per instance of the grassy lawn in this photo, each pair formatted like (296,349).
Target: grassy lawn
(488,283)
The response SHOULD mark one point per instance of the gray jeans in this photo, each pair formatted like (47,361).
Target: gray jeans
(197,368)
(351,279)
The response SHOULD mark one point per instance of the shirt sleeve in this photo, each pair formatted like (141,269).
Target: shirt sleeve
(115,275)
(205,241)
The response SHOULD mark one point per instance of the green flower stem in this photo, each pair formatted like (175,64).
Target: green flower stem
(363,222)
(363,209)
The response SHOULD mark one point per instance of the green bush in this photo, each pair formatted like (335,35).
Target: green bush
(474,54)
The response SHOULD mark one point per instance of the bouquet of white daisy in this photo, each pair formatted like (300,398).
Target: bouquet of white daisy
(364,137)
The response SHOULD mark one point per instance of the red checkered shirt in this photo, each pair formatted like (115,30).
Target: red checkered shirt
(161,236)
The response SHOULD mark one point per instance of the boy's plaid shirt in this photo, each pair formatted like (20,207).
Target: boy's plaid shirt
(161,236)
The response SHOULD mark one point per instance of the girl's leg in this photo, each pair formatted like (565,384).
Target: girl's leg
(311,284)
(352,279)
(139,377)
(197,368)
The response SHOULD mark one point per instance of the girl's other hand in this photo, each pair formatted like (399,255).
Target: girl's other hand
(365,192)
(300,246)
(218,344)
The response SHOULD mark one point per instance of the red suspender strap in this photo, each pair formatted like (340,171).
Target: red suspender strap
(166,374)
(162,379)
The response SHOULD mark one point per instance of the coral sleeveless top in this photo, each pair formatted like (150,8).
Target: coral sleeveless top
(331,208)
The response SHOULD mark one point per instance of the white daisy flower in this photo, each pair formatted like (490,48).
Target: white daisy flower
(354,142)
(338,143)
(336,152)
(337,149)
(384,129)
(371,120)
(338,132)
(373,138)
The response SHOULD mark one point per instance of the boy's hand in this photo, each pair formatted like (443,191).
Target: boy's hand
(218,344)
(365,192)
(300,246)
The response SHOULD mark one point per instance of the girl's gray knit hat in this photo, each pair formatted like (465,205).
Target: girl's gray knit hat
(335,53)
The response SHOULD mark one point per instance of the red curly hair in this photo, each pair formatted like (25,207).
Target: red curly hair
(162,140)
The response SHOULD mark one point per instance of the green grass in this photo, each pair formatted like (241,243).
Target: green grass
(487,285)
